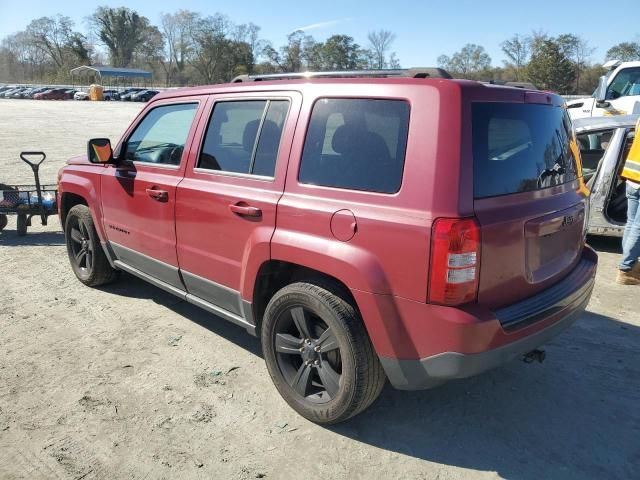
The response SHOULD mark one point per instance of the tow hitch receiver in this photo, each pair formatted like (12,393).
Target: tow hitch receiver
(537,355)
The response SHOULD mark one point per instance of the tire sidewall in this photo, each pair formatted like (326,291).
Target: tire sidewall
(335,408)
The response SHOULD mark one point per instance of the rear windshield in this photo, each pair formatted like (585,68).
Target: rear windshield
(520,147)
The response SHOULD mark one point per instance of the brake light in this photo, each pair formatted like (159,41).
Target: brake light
(455,261)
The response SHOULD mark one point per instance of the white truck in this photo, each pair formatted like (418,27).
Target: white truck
(618,93)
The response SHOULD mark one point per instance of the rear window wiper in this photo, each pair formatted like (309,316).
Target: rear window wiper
(555,171)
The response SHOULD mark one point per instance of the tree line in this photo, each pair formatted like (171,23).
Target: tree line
(188,48)
(562,64)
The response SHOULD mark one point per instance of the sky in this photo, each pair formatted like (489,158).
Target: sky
(424,29)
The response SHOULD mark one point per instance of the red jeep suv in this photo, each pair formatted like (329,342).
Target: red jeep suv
(402,226)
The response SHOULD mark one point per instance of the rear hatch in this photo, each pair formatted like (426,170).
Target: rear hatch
(528,197)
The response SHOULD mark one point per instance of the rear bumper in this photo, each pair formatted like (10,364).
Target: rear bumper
(477,340)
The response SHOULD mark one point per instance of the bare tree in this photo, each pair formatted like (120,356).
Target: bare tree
(249,33)
(537,39)
(517,49)
(380,42)
(177,28)
(576,49)
(56,39)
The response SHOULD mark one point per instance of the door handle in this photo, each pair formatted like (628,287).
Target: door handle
(245,210)
(159,195)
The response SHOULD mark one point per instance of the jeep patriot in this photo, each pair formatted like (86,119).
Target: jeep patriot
(407,226)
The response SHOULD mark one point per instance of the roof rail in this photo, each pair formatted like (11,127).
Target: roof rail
(383,73)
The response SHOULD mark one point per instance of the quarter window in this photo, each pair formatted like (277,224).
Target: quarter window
(161,135)
(244,137)
(356,144)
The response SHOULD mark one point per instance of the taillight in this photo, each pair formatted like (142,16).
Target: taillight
(455,261)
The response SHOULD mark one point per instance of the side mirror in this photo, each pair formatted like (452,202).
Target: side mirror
(99,151)
(601,93)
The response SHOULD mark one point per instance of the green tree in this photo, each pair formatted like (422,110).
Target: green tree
(550,69)
(625,51)
(210,46)
(340,52)
(472,62)
(122,31)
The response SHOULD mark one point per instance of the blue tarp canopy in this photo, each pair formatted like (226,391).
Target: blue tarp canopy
(101,71)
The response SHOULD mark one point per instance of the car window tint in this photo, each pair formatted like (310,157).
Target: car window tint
(356,144)
(264,162)
(244,136)
(592,147)
(161,135)
(520,147)
(626,83)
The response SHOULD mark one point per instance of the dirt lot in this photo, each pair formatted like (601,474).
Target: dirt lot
(129,382)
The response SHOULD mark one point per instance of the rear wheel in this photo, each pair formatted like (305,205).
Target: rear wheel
(318,353)
(87,259)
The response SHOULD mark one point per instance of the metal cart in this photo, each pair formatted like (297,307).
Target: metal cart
(28,201)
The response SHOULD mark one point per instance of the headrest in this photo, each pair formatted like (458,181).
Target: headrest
(270,133)
(249,135)
(344,138)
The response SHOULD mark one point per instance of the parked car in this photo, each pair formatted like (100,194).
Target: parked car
(428,229)
(129,90)
(144,96)
(604,144)
(35,91)
(5,88)
(109,95)
(69,93)
(54,94)
(618,93)
(80,95)
(10,93)
(18,93)
(126,95)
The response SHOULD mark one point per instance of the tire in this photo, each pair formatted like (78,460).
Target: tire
(87,258)
(21,225)
(3,222)
(337,374)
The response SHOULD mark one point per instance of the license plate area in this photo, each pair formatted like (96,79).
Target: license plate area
(553,243)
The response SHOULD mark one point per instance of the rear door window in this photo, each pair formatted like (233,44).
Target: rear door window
(520,147)
(356,144)
(244,137)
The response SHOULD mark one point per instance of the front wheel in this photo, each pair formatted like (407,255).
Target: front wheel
(318,353)
(87,259)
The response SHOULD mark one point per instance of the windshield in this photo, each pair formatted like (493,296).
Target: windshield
(519,147)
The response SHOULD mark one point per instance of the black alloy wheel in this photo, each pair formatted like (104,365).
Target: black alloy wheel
(88,260)
(82,248)
(308,355)
(318,352)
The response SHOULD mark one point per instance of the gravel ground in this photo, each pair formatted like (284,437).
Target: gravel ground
(129,382)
